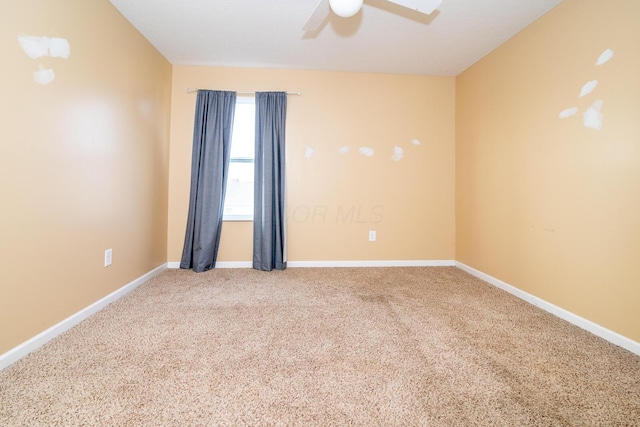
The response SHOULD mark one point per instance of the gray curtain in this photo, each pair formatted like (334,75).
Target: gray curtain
(269,226)
(209,168)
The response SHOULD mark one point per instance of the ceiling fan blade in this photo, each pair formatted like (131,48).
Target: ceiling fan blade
(423,6)
(318,15)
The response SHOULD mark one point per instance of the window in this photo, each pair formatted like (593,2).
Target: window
(238,203)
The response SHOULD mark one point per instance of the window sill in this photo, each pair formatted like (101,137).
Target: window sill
(238,218)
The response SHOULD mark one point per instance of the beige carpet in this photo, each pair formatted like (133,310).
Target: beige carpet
(323,347)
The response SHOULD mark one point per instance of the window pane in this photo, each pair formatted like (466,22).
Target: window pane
(238,203)
(243,139)
(239,197)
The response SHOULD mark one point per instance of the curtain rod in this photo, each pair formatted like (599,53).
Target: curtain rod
(189,90)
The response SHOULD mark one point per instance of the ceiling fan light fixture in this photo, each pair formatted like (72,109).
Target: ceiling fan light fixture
(345,8)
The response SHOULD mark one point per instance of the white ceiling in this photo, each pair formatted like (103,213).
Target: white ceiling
(382,37)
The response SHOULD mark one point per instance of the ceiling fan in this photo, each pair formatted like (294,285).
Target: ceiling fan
(348,8)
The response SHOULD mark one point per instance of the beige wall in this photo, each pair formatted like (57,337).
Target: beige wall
(83,162)
(543,203)
(335,199)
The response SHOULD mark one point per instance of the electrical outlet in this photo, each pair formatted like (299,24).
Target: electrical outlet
(107,257)
(372,235)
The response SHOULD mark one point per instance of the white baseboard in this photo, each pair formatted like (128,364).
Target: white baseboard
(305,264)
(220,264)
(42,338)
(594,328)
(390,263)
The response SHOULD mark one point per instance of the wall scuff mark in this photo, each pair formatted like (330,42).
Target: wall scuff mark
(59,48)
(44,76)
(36,47)
(605,57)
(568,112)
(367,151)
(309,152)
(588,88)
(398,154)
(592,117)
(416,142)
